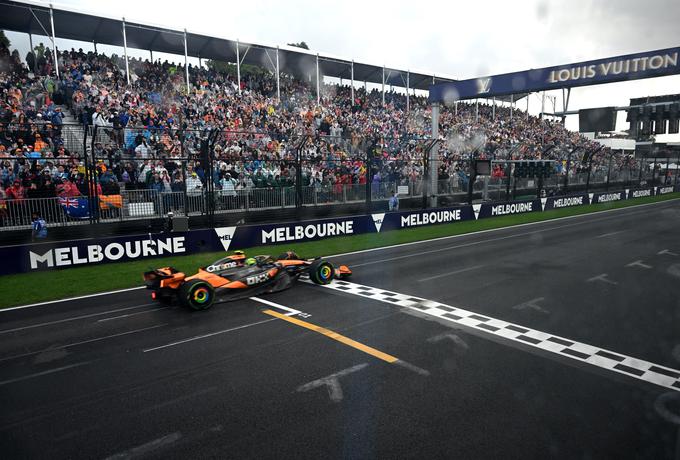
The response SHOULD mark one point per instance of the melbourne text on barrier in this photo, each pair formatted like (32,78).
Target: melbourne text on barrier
(94,253)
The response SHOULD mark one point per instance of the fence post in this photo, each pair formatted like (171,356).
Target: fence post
(566,172)
(654,173)
(590,166)
(640,175)
(85,160)
(298,173)
(472,177)
(91,178)
(609,169)
(184,162)
(508,174)
(677,163)
(539,185)
(369,167)
(283,197)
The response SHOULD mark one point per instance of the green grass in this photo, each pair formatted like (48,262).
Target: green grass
(28,288)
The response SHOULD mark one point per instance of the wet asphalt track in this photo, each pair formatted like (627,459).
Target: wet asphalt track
(116,376)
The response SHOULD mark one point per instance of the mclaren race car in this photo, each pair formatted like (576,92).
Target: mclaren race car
(237,276)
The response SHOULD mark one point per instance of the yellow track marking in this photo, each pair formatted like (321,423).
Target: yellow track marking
(335,336)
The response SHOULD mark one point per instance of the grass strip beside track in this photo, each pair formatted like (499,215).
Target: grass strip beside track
(26,288)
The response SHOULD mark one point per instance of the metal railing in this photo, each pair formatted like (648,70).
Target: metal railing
(254,162)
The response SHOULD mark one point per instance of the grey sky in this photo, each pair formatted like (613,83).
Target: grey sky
(460,38)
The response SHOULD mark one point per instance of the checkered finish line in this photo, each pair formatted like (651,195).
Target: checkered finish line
(599,357)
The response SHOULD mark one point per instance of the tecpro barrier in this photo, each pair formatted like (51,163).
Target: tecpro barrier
(65,254)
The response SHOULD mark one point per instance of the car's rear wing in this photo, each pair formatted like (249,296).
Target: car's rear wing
(166,277)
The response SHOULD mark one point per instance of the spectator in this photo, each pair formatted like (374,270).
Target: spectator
(393,203)
(39,231)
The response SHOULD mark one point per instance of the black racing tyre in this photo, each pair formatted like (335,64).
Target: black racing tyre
(197,295)
(321,271)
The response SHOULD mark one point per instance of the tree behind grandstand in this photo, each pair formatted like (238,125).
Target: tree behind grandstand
(302,45)
(230,69)
(4,41)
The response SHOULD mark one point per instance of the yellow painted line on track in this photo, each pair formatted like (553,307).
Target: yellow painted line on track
(335,336)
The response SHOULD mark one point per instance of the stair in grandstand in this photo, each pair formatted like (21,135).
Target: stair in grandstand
(72,131)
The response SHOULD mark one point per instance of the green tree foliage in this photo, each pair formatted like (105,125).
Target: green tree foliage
(299,45)
(3,39)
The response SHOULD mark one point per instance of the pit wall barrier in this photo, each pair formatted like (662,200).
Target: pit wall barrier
(68,254)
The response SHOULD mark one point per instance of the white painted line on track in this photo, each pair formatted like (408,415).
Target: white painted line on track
(384,248)
(291,311)
(88,296)
(83,342)
(462,270)
(412,368)
(451,336)
(132,314)
(212,334)
(639,263)
(605,235)
(602,277)
(74,318)
(147,448)
(332,382)
(40,374)
(566,348)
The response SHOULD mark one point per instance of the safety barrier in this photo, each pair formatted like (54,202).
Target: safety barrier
(41,256)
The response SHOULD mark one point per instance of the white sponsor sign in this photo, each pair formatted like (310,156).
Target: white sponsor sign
(641,193)
(607,197)
(301,232)
(225,235)
(566,202)
(427,218)
(512,208)
(476,208)
(94,253)
(257,279)
(620,67)
(378,220)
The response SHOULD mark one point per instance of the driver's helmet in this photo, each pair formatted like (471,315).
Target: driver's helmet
(289,255)
(251,261)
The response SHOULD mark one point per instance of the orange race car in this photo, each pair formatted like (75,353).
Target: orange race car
(237,276)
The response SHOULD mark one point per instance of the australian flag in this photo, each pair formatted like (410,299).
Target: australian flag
(77,208)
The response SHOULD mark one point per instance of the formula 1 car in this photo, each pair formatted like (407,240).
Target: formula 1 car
(237,276)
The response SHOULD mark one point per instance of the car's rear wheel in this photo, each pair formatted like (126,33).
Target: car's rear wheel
(321,271)
(197,295)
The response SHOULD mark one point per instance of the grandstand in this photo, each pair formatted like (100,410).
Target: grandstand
(107,138)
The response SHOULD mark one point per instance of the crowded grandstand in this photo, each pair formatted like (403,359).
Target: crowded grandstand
(150,133)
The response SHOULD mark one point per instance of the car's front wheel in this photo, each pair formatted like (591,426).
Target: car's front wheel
(197,295)
(321,271)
